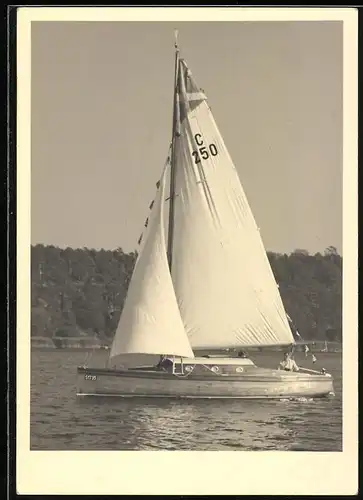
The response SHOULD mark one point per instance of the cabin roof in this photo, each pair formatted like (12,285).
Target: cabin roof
(211,361)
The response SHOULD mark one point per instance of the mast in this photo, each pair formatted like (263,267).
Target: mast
(172,160)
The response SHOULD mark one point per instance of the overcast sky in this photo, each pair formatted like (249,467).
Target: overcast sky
(101,125)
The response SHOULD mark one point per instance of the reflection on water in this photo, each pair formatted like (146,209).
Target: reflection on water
(60,421)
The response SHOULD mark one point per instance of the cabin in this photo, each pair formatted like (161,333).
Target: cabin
(204,365)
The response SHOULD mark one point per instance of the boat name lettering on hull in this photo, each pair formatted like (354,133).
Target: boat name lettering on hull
(203,151)
(90,377)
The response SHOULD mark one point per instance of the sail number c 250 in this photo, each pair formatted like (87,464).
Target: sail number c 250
(203,152)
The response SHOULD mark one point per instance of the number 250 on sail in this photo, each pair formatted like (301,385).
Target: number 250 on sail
(203,151)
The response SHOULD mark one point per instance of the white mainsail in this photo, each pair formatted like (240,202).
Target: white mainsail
(223,281)
(150,322)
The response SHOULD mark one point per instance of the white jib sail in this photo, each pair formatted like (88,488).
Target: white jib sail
(223,281)
(150,322)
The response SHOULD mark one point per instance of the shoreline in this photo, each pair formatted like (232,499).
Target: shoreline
(226,353)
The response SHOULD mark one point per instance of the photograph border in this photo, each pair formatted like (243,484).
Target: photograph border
(113,472)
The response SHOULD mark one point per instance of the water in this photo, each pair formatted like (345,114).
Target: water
(59,421)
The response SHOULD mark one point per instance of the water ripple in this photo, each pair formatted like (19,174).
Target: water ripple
(59,421)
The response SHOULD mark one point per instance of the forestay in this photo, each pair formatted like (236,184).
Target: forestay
(223,282)
(150,322)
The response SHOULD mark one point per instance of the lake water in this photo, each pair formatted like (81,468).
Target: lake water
(60,421)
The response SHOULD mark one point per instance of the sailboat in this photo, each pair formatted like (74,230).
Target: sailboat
(201,282)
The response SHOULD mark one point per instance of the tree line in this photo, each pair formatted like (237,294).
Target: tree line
(81,292)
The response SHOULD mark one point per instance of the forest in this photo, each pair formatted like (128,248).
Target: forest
(79,293)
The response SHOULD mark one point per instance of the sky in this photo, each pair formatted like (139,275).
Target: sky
(101,100)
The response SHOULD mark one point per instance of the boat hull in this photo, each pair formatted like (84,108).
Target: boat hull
(261,384)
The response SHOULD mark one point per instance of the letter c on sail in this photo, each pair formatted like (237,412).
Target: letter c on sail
(198,138)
